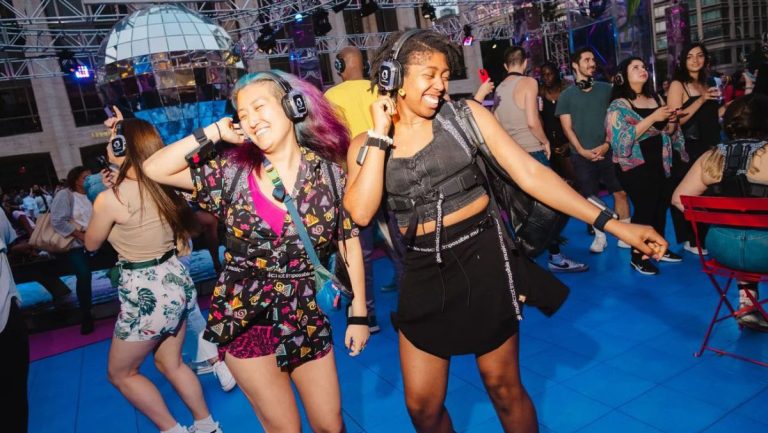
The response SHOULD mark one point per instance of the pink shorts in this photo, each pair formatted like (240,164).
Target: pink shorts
(255,342)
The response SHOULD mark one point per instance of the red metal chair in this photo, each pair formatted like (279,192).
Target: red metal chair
(737,212)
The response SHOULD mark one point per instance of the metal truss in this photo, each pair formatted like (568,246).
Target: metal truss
(81,29)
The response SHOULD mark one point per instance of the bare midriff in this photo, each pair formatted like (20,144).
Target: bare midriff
(452,218)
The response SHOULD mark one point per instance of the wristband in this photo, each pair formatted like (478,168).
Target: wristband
(601,220)
(374,135)
(357,320)
(203,152)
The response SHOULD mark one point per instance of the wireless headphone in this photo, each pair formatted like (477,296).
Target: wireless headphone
(618,79)
(118,142)
(339,64)
(391,70)
(585,84)
(294,104)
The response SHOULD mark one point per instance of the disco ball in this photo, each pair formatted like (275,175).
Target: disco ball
(169,66)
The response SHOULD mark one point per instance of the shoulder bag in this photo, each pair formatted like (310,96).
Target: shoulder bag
(531,224)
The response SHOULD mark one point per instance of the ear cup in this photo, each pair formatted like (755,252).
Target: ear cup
(339,65)
(618,79)
(390,75)
(294,105)
(118,142)
(585,84)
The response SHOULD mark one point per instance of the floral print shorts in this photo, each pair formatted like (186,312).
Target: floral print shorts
(154,301)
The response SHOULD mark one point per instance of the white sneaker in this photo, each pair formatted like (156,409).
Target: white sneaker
(622,244)
(598,244)
(193,429)
(201,368)
(221,371)
(693,249)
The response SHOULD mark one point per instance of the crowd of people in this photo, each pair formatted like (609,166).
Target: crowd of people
(306,173)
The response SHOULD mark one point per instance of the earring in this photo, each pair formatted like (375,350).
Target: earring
(401,92)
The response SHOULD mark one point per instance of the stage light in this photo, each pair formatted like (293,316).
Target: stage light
(320,22)
(82,71)
(298,18)
(340,6)
(67,61)
(369,7)
(266,41)
(428,11)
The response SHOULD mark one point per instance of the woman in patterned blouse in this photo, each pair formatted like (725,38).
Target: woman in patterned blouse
(263,313)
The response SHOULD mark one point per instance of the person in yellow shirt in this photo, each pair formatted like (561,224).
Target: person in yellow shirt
(353,96)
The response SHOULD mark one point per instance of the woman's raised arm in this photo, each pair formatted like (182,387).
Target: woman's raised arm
(546,186)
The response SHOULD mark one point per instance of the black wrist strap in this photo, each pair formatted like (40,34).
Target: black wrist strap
(205,150)
(601,220)
(357,320)
(376,142)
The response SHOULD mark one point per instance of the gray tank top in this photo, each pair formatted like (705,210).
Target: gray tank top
(414,179)
(513,118)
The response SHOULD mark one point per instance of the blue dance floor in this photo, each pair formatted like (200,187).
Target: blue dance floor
(618,357)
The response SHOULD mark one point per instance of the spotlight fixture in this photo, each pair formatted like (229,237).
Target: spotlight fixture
(468,38)
(368,7)
(235,54)
(266,40)
(428,11)
(67,61)
(320,22)
(340,6)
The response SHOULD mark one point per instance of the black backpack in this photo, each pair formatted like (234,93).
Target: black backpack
(532,225)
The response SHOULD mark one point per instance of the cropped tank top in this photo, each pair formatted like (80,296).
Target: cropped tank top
(145,235)
(513,118)
(440,179)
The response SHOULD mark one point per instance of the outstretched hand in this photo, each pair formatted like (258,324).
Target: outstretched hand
(641,237)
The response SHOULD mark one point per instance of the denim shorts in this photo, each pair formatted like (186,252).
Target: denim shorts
(742,249)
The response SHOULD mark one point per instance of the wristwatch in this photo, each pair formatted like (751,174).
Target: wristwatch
(371,141)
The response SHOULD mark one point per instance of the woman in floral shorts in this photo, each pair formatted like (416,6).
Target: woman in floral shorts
(144,222)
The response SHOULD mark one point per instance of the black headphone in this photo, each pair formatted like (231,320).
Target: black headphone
(294,104)
(618,79)
(118,142)
(391,70)
(339,64)
(585,84)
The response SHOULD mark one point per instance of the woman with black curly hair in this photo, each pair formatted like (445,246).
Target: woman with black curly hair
(458,294)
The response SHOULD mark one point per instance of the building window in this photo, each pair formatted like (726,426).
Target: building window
(722,57)
(693,19)
(661,43)
(18,110)
(710,16)
(87,108)
(661,27)
(708,2)
(713,31)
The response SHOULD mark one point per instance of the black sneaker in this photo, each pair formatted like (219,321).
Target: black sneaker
(671,257)
(644,266)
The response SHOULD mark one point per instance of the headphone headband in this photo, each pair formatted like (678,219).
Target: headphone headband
(401,41)
(286,86)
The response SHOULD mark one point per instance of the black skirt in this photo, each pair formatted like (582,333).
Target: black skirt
(462,305)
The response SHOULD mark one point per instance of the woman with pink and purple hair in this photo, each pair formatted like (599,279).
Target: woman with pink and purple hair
(264,315)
